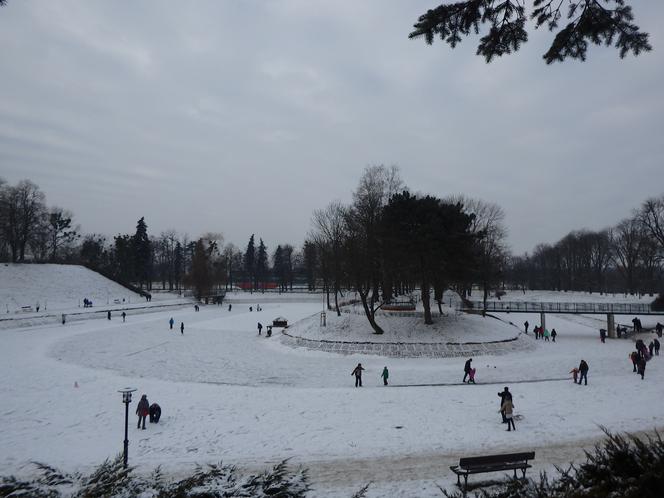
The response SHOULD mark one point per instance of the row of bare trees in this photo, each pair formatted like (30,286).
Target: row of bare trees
(628,257)
(29,227)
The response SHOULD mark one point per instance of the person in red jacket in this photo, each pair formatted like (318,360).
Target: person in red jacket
(142,410)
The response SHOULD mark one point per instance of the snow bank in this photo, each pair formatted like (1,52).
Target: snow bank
(56,287)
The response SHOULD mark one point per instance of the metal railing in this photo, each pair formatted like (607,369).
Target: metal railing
(571,308)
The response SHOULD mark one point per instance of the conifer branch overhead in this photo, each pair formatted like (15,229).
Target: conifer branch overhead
(600,22)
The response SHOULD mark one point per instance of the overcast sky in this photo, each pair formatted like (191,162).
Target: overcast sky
(244,117)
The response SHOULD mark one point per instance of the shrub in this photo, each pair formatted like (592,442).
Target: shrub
(624,466)
(112,480)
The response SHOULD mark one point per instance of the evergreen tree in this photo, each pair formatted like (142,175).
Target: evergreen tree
(142,252)
(262,269)
(250,262)
(122,259)
(278,268)
(588,21)
(201,277)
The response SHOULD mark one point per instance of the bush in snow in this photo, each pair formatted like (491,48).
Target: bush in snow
(624,466)
(112,480)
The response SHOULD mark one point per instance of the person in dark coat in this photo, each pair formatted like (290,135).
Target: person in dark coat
(124,315)
(583,371)
(357,372)
(142,410)
(639,327)
(641,365)
(659,327)
(230,307)
(260,328)
(182,328)
(466,369)
(602,335)
(651,347)
(553,335)
(155,413)
(109,314)
(656,347)
(634,322)
(504,395)
(525,326)
(171,322)
(634,356)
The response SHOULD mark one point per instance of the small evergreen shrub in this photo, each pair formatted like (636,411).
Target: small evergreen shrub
(112,480)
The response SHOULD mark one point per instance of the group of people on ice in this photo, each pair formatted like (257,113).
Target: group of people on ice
(642,355)
(541,332)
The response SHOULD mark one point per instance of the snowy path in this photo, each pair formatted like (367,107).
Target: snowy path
(229,394)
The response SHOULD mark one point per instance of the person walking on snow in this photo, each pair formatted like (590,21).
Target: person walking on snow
(583,369)
(142,410)
(171,322)
(385,375)
(471,376)
(466,369)
(553,335)
(124,315)
(109,314)
(507,409)
(546,335)
(260,328)
(659,327)
(575,374)
(503,395)
(357,372)
(230,307)
(525,326)
(634,356)
(656,347)
(182,328)
(651,347)
(641,366)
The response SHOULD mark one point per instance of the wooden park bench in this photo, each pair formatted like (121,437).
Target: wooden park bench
(491,463)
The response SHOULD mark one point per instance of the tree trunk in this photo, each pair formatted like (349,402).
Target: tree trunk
(370,314)
(336,300)
(426,302)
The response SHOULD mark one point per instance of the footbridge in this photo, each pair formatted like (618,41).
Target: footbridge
(608,309)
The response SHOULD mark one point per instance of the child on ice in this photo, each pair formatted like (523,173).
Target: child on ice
(575,372)
(472,376)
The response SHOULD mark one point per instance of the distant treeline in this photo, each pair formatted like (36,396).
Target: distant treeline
(628,257)
(386,243)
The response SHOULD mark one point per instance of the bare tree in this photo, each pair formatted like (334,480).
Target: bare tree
(23,210)
(488,226)
(627,239)
(652,218)
(60,230)
(329,232)
(376,186)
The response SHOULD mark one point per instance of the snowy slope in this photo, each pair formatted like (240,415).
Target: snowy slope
(56,287)
(228,394)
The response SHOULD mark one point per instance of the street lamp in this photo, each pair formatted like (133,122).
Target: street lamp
(126,399)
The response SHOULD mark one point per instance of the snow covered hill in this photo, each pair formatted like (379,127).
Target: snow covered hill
(56,287)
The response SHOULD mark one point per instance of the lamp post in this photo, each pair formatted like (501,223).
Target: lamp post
(126,399)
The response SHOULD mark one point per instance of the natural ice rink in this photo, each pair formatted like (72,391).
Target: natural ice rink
(227,394)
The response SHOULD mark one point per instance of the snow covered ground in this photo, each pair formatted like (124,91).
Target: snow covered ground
(56,287)
(228,394)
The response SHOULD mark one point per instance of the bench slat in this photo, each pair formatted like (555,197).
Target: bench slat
(491,459)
